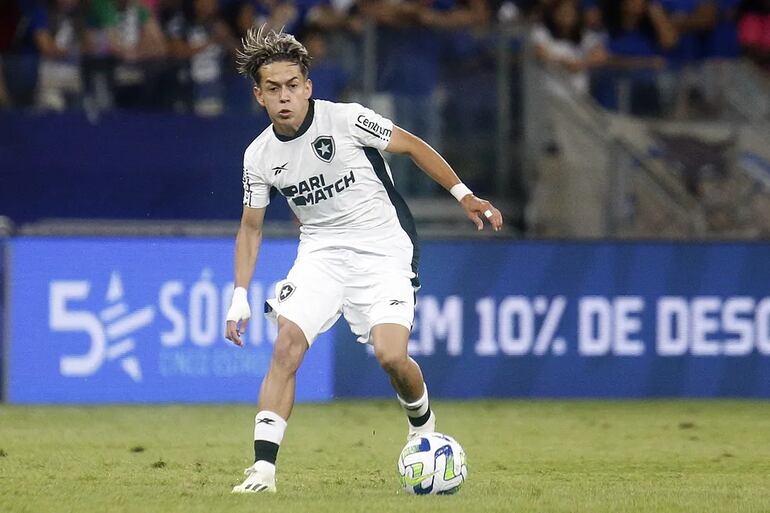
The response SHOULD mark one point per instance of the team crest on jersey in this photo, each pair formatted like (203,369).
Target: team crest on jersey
(286,291)
(323,147)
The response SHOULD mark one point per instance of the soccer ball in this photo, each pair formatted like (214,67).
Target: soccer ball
(432,464)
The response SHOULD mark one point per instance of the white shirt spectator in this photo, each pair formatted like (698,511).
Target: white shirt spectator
(565,51)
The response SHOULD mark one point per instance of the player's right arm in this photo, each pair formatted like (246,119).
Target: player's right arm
(247,245)
(369,129)
(434,165)
(256,197)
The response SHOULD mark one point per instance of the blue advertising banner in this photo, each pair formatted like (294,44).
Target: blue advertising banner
(110,320)
(142,320)
(560,319)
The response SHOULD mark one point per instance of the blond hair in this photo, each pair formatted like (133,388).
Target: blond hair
(263,46)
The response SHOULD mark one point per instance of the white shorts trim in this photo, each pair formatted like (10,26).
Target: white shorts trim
(272,312)
(387,320)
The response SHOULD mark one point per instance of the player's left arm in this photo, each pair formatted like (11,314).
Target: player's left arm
(434,165)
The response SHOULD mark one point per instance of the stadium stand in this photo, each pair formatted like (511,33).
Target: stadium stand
(518,95)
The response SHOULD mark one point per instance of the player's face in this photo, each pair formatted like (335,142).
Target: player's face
(284,92)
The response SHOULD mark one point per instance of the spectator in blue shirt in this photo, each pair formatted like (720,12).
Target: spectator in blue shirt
(411,38)
(21,25)
(592,14)
(329,78)
(639,32)
(722,41)
(692,19)
(277,14)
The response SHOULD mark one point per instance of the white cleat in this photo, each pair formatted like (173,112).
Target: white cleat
(428,427)
(260,477)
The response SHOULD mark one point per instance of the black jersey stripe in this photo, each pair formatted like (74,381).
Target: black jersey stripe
(405,218)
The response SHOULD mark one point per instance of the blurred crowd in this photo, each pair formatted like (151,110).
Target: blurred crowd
(178,55)
(145,54)
(657,47)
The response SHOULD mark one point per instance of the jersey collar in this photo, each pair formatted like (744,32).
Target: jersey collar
(302,128)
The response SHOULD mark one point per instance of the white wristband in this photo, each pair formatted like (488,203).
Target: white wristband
(459,191)
(240,294)
(239,308)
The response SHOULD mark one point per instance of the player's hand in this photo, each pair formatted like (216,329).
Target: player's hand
(477,209)
(238,316)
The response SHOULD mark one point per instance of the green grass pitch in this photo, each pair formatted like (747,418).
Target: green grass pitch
(524,456)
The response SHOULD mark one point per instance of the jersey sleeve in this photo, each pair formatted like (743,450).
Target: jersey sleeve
(368,128)
(256,190)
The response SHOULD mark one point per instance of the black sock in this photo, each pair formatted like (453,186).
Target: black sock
(265,451)
(421,420)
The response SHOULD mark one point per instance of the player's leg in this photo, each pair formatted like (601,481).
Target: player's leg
(276,400)
(390,343)
(379,306)
(277,391)
(306,304)
(276,395)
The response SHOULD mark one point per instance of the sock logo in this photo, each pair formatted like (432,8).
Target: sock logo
(265,420)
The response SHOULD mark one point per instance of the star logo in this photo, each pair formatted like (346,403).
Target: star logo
(323,147)
(286,290)
(111,328)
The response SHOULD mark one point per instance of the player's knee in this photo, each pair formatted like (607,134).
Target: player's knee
(287,356)
(391,361)
(290,347)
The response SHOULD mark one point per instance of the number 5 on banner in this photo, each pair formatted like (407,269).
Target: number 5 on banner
(62,319)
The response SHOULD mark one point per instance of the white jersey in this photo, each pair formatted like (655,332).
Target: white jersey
(335,180)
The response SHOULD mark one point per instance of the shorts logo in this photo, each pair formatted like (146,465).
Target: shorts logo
(396,302)
(286,291)
(323,147)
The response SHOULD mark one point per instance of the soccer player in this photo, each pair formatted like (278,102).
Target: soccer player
(358,248)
